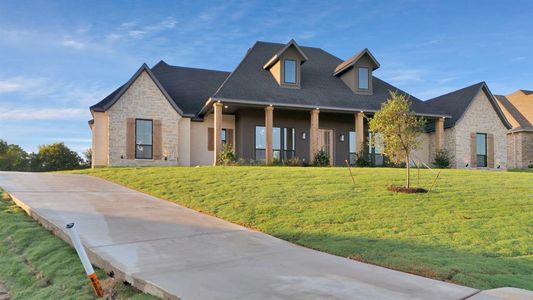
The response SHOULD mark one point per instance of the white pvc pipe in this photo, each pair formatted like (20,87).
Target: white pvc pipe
(75,238)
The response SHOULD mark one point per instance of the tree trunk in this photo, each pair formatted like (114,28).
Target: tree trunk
(408,172)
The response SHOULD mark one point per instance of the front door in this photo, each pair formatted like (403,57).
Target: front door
(326,143)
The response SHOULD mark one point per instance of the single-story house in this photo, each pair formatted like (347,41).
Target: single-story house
(282,101)
(518,108)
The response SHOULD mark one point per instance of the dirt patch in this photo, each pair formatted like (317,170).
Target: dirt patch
(402,189)
(3,293)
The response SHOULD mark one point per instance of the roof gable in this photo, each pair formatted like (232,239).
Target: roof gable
(186,89)
(350,62)
(108,101)
(279,54)
(456,103)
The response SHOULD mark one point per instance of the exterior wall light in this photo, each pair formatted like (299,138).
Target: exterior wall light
(303,135)
(342,138)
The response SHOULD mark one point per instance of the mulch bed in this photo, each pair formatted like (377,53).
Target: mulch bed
(402,189)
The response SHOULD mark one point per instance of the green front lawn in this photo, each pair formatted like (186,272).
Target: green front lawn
(475,228)
(34,264)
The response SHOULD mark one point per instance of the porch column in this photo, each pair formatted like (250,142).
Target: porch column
(269,131)
(217,131)
(359,132)
(439,133)
(313,135)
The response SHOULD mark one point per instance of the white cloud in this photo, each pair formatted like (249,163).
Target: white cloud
(137,34)
(403,76)
(70,43)
(32,113)
(7,86)
(519,58)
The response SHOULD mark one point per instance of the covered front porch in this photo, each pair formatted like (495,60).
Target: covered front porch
(274,134)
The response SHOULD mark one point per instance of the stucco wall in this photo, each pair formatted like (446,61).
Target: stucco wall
(100,140)
(480,117)
(421,154)
(199,155)
(144,100)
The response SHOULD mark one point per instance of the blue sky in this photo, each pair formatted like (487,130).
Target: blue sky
(59,57)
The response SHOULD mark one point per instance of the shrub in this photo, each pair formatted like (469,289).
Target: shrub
(443,159)
(362,159)
(530,166)
(321,159)
(227,156)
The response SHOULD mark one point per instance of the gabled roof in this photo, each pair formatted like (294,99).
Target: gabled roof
(277,55)
(249,83)
(456,103)
(186,89)
(518,108)
(350,62)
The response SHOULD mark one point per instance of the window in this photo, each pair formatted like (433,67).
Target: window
(289,71)
(363,78)
(288,143)
(143,139)
(353,150)
(282,138)
(375,151)
(481,149)
(223,136)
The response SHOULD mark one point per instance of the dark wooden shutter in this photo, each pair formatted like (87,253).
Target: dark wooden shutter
(210,139)
(229,137)
(130,138)
(490,150)
(157,140)
(473,150)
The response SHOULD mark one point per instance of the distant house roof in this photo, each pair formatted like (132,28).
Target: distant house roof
(456,103)
(250,83)
(186,88)
(350,62)
(518,108)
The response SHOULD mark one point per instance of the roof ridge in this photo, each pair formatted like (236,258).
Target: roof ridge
(481,83)
(190,68)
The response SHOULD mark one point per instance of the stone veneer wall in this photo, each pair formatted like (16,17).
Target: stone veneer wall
(482,118)
(143,100)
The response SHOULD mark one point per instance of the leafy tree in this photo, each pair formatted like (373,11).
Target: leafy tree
(13,157)
(398,128)
(55,157)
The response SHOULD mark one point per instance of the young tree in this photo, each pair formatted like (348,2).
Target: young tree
(398,128)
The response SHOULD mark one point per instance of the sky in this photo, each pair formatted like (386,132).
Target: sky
(57,58)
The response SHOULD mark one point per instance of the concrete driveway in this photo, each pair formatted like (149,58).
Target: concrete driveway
(174,252)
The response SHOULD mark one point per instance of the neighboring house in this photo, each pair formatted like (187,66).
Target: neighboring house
(518,108)
(282,101)
(476,134)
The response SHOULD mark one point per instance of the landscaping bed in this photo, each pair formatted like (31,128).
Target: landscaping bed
(35,264)
(474,227)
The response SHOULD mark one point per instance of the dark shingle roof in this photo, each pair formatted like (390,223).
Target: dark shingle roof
(457,102)
(187,88)
(250,83)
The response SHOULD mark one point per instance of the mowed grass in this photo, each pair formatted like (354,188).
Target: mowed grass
(475,228)
(35,264)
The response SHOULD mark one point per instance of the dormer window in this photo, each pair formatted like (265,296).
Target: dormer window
(289,71)
(286,66)
(363,78)
(356,72)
